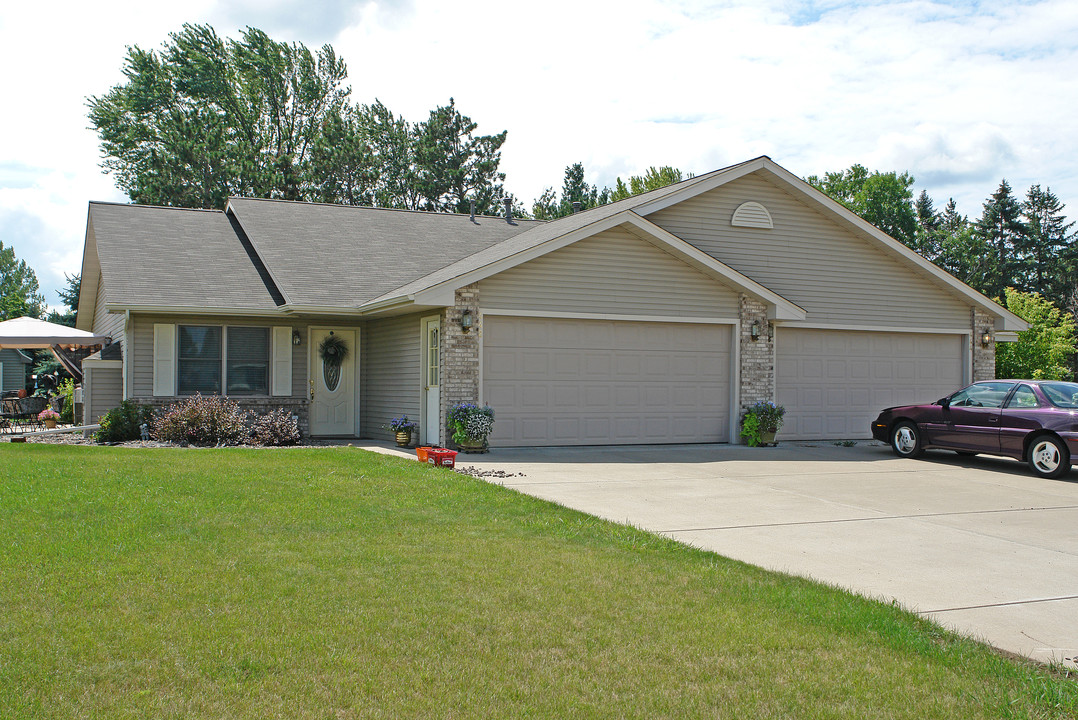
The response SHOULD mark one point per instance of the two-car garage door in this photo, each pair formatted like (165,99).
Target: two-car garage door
(557,381)
(834,382)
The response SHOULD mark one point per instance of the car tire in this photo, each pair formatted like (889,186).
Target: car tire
(906,440)
(1049,457)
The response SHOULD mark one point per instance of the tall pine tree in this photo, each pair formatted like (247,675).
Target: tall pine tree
(1046,254)
(999,233)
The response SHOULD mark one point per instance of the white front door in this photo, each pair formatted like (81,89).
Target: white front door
(332,385)
(432,337)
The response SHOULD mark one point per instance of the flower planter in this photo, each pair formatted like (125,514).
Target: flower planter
(473,446)
(767,438)
(49,423)
(404,438)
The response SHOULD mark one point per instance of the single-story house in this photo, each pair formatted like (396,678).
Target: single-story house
(655,319)
(14,368)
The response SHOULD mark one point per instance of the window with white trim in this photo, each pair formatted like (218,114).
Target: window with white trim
(210,357)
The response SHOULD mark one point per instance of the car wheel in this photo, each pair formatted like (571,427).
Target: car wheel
(1048,457)
(906,440)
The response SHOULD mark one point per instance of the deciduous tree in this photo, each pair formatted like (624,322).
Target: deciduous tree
(1044,351)
(208,117)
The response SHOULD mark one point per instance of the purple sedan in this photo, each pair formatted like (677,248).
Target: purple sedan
(1035,421)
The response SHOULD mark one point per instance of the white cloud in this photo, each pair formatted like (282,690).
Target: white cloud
(960,94)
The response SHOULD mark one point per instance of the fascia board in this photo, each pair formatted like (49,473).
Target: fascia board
(273,276)
(291,309)
(190,310)
(1010,320)
(704,186)
(781,308)
(424,296)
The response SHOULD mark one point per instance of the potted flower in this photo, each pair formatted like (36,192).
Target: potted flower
(403,428)
(49,416)
(761,422)
(471,425)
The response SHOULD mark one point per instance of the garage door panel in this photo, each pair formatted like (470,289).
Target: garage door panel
(873,370)
(603,382)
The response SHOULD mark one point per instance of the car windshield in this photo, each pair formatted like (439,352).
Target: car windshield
(1061,394)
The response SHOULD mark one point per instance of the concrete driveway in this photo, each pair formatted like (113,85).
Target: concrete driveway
(977,544)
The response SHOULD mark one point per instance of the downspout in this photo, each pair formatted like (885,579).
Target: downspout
(125,349)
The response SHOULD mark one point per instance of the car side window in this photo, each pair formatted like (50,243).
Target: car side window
(1023,398)
(987,394)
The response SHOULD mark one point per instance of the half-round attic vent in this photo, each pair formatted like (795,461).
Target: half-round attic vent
(752,214)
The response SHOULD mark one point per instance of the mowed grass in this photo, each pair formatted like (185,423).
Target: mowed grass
(336,583)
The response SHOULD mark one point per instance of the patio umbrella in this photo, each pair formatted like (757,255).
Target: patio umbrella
(26,332)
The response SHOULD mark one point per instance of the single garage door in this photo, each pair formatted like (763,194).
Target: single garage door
(833,383)
(598,382)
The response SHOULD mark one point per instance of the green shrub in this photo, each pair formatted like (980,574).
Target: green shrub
(67,410)
(210,421)
(122,423)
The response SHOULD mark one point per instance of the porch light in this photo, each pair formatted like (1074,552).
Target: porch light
(755,330)
(986,339)
(296,339)
(466,320)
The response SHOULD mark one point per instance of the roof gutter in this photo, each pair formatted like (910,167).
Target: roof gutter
(189,310)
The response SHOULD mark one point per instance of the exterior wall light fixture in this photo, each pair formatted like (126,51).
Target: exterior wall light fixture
(755,330)
(986,339)
(296,339)
(466,320)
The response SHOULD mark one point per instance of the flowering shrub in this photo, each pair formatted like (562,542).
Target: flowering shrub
(470,423)
(202,420)
(760,418)
(122,424)
(278,427)
(401,424)
(769,414)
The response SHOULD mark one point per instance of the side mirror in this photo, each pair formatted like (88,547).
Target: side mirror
(944,402)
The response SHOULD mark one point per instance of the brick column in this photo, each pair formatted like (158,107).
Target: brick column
(984,358)
(460,354)
(757,356)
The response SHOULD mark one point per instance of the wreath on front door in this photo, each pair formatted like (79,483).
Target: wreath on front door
(333,351)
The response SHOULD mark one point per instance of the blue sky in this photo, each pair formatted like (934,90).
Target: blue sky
(960,94)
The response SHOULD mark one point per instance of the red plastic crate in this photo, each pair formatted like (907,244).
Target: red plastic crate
(441,457)
(421,452)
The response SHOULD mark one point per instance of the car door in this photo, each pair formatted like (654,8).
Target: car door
(971,418)
(1021,415)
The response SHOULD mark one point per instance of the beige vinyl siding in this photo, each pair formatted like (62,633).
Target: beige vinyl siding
(142,346)
(613,272)
(13,374)
(391,375)
(105,323)
(837,276)
(105,392)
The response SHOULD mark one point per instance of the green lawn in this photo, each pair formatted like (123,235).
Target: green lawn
(335,583)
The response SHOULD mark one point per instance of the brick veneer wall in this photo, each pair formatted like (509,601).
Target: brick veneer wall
(984,358)
(757,356)
(460,354)
(300,407)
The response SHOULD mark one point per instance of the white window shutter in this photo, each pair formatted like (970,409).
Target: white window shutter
(164,359)
(281,378)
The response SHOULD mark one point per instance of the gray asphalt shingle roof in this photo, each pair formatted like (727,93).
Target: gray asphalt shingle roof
(174,257)
(344,256)
(318,255)
(543,233)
